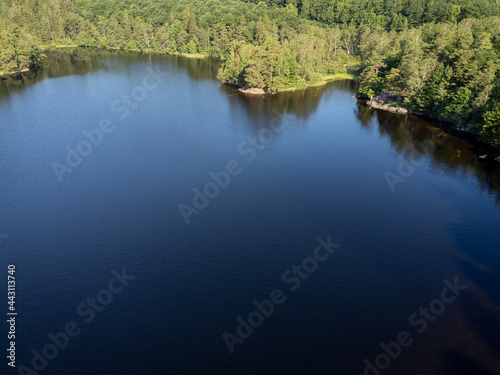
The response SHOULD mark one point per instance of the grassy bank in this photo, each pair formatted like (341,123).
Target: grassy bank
(190,55)
(322,81)
(45,47)
(351,74)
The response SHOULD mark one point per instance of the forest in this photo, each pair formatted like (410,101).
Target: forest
(440,56)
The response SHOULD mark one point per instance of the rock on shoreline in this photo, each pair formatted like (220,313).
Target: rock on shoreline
(253,91)
(387,101)
(12,73)
(391,101)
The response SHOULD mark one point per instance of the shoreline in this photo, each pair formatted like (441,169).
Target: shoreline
(48,47)
(389,102)
(23,70)
(325,80)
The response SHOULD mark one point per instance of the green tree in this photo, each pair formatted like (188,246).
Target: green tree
(191,47)
(490,131)
(454,13)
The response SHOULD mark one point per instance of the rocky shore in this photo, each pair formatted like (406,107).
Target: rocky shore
(253,91)
(389,101)
(12,73)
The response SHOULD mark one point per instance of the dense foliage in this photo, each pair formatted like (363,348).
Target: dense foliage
(395,14)
(440,56)
(448,71)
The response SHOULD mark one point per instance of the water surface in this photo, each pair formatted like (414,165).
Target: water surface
(323,175)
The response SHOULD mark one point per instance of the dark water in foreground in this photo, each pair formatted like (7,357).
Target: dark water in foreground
(324,174)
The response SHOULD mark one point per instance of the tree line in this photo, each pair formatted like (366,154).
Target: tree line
(440,56)
(448,71)
(396,14)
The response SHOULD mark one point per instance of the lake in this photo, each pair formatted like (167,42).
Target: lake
(163,223)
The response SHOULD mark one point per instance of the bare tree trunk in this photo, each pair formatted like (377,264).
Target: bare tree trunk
(50,29)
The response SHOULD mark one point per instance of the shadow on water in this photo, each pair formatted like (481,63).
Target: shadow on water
(461,364)
(479,262)
(451,153)
(455,154)
(78,61)
(301,103)
(197,69)
(61,63)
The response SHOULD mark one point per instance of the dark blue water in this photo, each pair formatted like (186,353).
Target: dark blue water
(324,174)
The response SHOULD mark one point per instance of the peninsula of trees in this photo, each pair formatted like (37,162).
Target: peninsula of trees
(440,56)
